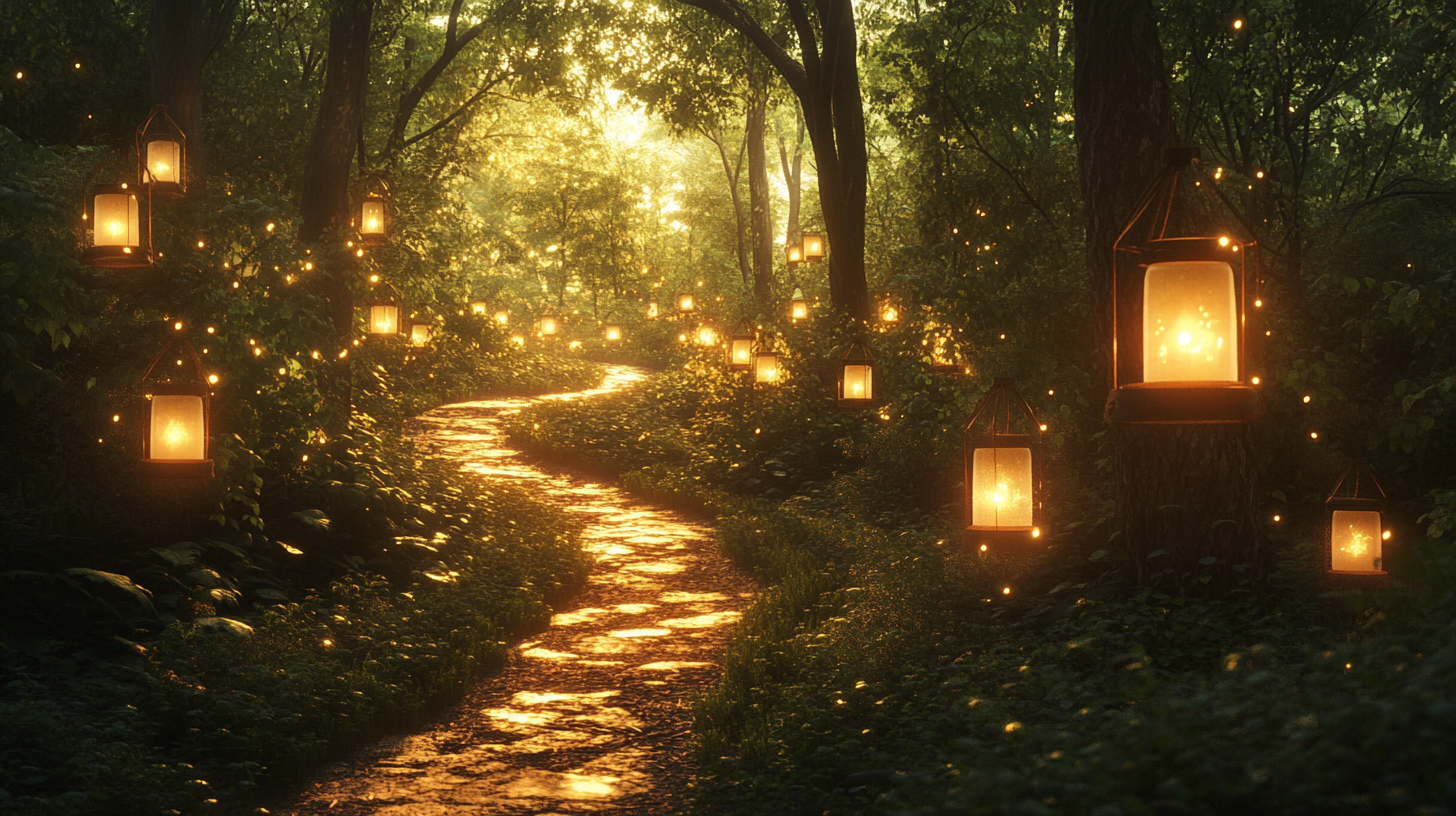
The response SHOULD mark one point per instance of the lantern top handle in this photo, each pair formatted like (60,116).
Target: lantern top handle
(998,405)
(1352,475)
(112,154)
(857,352)
(182,344)
(1183,202)
(374,184)
(744,327)
(173,129)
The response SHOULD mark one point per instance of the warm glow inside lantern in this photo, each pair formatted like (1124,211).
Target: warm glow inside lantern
(813,244)
(164,162)
(652,310)
(740,347)
(612,332)
(889,313)
(478,307)
(421,334)
(547,325)
(707,334)
(856,377)
(798,306)
(685,302)
(117,219)
(372,221)
(503,317)
(1179,272)
(162,149)
(1357,530)
(794,254)
(766,367)
(384,319)
(1001,488)
(174,441)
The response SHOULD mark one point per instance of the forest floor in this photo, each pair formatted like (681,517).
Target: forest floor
(594,714)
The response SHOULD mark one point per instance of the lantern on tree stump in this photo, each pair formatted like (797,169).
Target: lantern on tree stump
(548,325)
(478,308)
(1002,484)
(798,306)
(118,237)
(1357,529)
(374,213)
(813,244)
(384,312)
(685,302)
(612,332)
(175,432)
(1180,267)
(162,149)
(740,347)
(856,377)
(794,254)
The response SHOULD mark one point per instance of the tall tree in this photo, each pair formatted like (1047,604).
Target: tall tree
(176,44)
(826,82)
(761,222)
(793,172)
(1186,493)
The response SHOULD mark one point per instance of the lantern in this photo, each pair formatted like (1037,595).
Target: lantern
(113,214)
(798,306)
(652,310)
(707,333)
(373,213)
(939,351)
(1357,531)
(685,302)
(518,340)
(478,307)
(740,347)
(813,244)
(889,312)
(794,254)
(1179,272)
(421,334)
(547,325)
(611,332)
(162,148)
(856,377)
(384,312)
(767,368)
(503,317)
(175,431)
(1001,472)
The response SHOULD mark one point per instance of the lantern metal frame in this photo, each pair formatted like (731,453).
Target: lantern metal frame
(144,137)
(376,191)
(131,256)
(858,354)
(1161,230)
(891,307)
(742,333)
(177,468)
(1357,503)
(813,246)
(1002,405)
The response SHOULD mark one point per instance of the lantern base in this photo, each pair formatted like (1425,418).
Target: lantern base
(1175,403)
(1349,580)
(166,190)
(740,366)
(177,468)
(117,257)
(1004,539)
(373,240)
(855,404)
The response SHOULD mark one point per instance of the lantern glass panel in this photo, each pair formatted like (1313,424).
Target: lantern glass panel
(813,247)
(384,319)
(1001,487)
(178,428)
(652,309)
(613,332)
(740,351)
(685,302)
(164,161)
(798,309)
(548,326)
(1190,323)
(478,307)
(372,222)
(766,367)
(1355,541)
(794,254)
(859,381)
(420,334)
(118,220)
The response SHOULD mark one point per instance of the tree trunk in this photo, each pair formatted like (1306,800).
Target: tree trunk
(1186,493)
(176,46)
(731,171)
(793,172)
(758,192)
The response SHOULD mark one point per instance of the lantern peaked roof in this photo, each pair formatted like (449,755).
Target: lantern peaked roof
(857,352)
(1352,477)
(998,406)
(1183,202)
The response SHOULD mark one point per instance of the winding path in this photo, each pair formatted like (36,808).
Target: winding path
(592,716)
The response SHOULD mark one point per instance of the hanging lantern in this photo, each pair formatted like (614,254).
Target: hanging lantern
(939,350)
(685,302)
(1357,530)
(1001,472)
(373,213)
(162,148)
(813,244)
(1179,272)
(503,317)
(384,312)
(118,237)
(707,333)
(612,332)
(421,334)
(740,347)
(798,306)
(547,325)
(175,432)
(856,377)
(794,254)
(518,340)
(651,310)
(767,368)
(478,307)
(889,312)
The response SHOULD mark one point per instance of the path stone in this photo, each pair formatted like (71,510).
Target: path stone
(593,715)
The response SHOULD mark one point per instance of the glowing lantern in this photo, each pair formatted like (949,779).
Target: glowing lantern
(652,310)
(740,347)
(547,325)
(889,312)
(503,317)
(518,340)
(611,332)
(162,147)
(685,302)
(1357,531)
(940,353)
(373,213)
(856,377)
(767,368)
(421,334)
(707,333)
(1001,485)
(794,254)
(174,438)
(478,307)
(384,312)
(1179,272)
(798,306)
(813,244)
(113,215)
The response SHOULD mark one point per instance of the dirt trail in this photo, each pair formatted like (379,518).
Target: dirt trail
(591,716)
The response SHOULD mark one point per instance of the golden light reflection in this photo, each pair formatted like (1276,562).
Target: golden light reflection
(640,633)
(702,621)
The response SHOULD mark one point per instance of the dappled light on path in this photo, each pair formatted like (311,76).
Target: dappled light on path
(592,715)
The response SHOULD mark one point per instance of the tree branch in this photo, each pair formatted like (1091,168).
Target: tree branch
(730,12)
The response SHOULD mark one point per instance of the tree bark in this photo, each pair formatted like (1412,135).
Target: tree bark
(176,29)
(731,171)
(1187,494)
(793,170)
(758,192)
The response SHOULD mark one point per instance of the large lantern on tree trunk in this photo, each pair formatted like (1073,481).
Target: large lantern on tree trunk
(813,244)
(118,221)
(798,306)
(384,312)
(857,377)
(175,432)
(374,213)
(1002,484)
(1180,268)
(162,149)
(740,347)
(1357,529)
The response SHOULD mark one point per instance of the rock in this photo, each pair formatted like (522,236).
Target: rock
(224,626)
